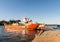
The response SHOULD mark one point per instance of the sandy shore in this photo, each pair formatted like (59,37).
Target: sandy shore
(48,36)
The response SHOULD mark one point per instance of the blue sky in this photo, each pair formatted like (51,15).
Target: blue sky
(44,11)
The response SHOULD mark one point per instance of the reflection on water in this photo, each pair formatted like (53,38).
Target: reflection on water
(24,36)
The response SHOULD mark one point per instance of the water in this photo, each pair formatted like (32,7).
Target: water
(16,37)
(25,36)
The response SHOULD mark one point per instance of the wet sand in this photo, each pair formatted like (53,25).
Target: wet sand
(48,36)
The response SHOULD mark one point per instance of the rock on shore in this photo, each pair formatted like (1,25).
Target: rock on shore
(48,36)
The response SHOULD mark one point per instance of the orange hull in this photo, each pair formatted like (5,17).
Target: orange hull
(13,28)
(32,26)
(19,28)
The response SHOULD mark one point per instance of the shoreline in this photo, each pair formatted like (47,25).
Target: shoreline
(48,36)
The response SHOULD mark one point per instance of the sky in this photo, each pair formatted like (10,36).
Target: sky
(43,11)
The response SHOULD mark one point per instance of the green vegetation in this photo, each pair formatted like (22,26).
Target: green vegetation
(9,22)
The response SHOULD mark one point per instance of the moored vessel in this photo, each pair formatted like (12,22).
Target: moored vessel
(25,24)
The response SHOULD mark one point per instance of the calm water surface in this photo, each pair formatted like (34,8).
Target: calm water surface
(27,36)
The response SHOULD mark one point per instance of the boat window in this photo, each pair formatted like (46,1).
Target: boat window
(22,24)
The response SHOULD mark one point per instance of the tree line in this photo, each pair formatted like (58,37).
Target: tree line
(2,22)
